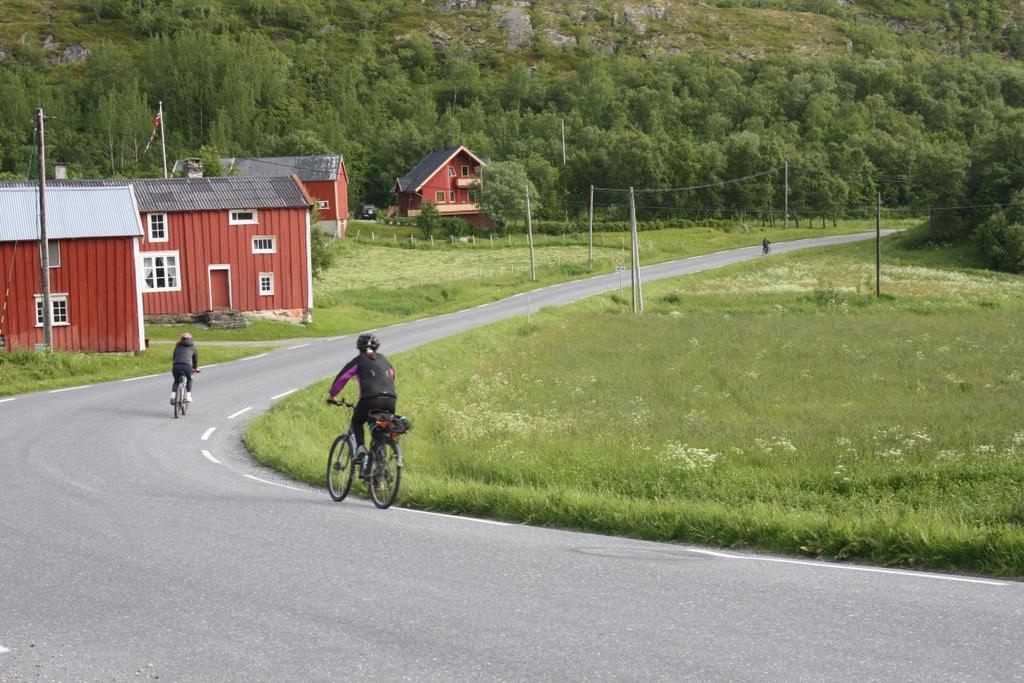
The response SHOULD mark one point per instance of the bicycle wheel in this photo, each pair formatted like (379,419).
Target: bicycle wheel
(387,474)
(341,468)
(179,400)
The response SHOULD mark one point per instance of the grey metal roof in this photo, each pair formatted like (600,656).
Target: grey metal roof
(71,212)
(312,168)
(167,195)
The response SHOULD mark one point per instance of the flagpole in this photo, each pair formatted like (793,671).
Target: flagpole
(163,143)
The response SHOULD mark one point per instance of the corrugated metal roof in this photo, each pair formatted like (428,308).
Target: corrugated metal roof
(71,212)
(167,195)
(311,168)
(414,179)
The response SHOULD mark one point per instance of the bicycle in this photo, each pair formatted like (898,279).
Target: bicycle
(383,475)
(180,393)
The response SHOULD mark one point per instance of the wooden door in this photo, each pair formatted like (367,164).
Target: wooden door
(220,290)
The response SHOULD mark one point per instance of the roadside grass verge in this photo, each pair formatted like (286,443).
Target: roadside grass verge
(812,419)
(24,371)
(386,281)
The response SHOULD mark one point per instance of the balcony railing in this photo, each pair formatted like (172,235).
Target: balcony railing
(467,182)
(449,209)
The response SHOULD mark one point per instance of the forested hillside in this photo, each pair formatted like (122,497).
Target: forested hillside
(922,101)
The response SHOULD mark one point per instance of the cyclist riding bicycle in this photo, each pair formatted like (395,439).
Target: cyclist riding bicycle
(184,363)
(376,380)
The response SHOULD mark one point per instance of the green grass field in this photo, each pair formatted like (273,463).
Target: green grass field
(24,371)
(776,405)
(385,280)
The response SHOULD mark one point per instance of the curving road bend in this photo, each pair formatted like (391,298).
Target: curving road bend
(138,547)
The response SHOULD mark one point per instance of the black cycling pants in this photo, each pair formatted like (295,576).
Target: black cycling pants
(362,413)
(180,370)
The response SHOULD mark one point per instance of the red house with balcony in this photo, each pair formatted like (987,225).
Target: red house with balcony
(94,239)
(450,179)
(324,177)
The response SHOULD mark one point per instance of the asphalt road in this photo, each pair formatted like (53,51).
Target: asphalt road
(134,546)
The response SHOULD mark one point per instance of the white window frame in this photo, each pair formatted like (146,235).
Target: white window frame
(233,217)
(439,197)
(451,171)
(323,204)
(54,300)
(259,283)
(53,253)
(264,250)
(163,224)
(451,196)
(465,170)
(153,255)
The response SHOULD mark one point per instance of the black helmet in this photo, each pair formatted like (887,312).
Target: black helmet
(367,340)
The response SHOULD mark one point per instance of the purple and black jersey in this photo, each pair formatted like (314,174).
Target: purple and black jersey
(375,375)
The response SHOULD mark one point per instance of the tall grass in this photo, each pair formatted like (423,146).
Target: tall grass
(813,419)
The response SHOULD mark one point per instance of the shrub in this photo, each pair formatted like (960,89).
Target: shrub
(1002,243)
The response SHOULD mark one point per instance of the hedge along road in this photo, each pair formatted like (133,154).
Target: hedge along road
(136,545)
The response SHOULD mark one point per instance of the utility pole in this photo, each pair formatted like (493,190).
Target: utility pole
(163,141)
(878,245)
(590,231)
(638,295)
(529,234)
(44,243)
(785,208)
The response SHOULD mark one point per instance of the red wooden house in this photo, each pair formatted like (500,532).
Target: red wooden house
(324,177)
(93,235)
(447,178)
(238,243)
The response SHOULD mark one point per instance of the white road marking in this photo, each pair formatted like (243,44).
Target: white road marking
(297,346)
(5,400)
(132,379)
(252,357)
(3,649)
(272,483)
(468,519)
(232,416)
(849,567)
(206,434)
(290,391)
(57,391)
(209,456)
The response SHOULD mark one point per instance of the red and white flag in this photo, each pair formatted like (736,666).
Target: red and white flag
(152,136)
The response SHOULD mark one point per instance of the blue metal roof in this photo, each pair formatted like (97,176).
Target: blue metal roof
(71,212)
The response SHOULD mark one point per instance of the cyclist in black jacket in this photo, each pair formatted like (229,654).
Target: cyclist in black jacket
(184,363)
(376,380)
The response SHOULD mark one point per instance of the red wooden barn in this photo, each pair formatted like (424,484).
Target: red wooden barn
(447,178)
(324,177)
(94,236)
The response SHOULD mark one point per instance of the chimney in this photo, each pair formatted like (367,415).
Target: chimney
(193,168)
(60,170)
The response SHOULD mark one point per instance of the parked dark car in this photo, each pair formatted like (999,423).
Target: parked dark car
(367,212)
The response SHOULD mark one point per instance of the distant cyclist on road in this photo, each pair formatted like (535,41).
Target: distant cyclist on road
(376,380)
(184,363)
(766,246)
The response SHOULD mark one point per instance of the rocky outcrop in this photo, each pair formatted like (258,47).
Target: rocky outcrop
(456,5)
(518,28)
(637,16)
(559,40)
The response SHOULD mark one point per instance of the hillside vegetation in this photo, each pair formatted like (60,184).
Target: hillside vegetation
(920,101)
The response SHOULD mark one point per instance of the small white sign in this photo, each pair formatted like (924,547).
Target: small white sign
(620,268)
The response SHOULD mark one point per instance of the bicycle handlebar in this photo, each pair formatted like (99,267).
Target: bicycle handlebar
(340,402)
